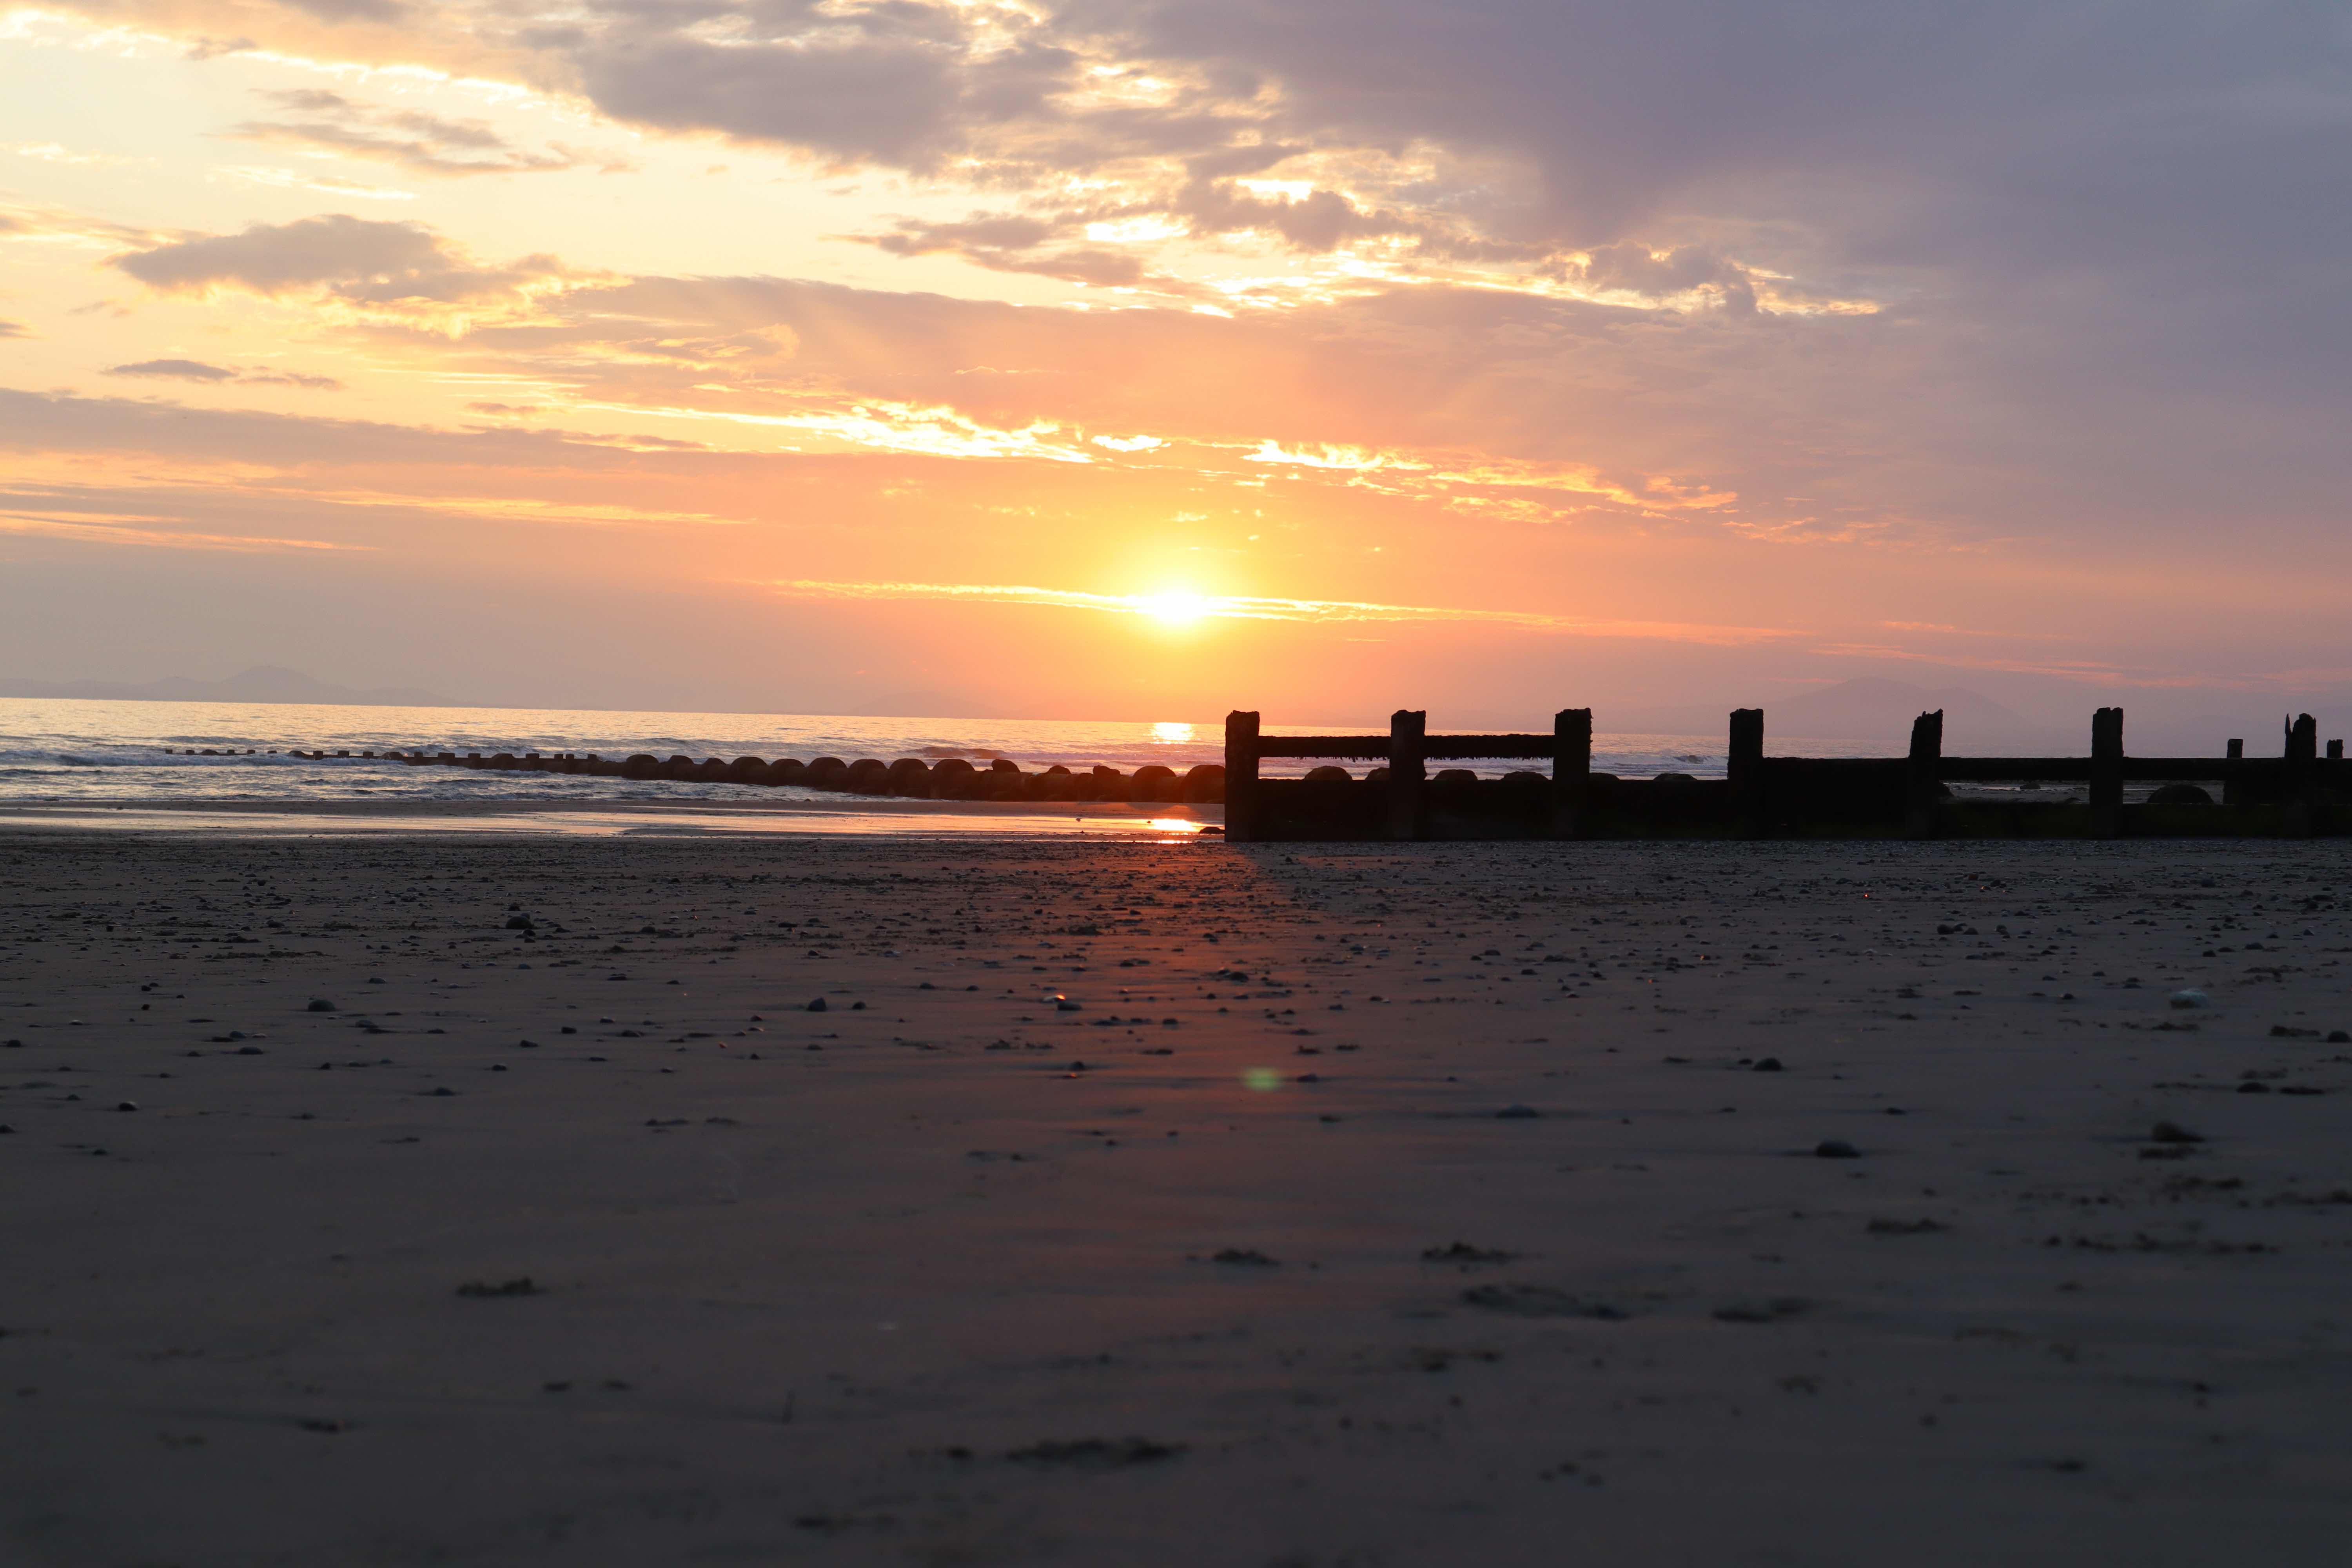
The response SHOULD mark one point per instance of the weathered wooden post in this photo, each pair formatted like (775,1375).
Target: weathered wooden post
(2328,788)
(1408,773)
(2229,789)
(1921,774)
(2302,803)
(1743,770)
(2107,772)
(1241,777)
(1572,772)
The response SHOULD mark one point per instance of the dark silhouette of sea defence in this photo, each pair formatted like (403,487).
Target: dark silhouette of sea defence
(2298,794)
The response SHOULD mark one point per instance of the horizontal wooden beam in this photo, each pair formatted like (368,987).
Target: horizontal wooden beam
(1340,746)
(1542,748)
(1449,746)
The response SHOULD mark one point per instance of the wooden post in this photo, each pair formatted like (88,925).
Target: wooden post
(2237,753)
(1572,771)
(1407,774)
(2107,772)
(2302,805)
(1921,780)
(1241,777)
(1743,770)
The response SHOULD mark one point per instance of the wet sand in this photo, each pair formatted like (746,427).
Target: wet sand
(1373,1206)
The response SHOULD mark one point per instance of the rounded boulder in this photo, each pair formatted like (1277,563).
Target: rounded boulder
(1154,783)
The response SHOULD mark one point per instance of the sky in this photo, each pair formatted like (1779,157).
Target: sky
(1149,358)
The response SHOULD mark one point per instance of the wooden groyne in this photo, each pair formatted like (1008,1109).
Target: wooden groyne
(910,778)
(2298,794)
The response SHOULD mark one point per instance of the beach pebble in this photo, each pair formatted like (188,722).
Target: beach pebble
(1540,1301)
(2190,998)
(1835,1149)
(1769,1064)
(321,1005)
(817,1005)
(128,1105)
(1772,1312)
(2173,1132)
(1518,1113)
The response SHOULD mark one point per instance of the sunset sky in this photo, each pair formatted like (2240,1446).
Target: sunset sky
(1146,358)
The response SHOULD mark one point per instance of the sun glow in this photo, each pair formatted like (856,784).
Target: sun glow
(1174,607)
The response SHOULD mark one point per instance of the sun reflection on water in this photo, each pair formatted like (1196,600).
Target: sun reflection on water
(1168,735)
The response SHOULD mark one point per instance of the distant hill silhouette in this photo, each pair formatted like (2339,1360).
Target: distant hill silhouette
(1868,708)
(264,683)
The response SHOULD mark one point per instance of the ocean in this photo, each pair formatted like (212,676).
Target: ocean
(112,757)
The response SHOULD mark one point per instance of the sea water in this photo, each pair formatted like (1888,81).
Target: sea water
(111,755)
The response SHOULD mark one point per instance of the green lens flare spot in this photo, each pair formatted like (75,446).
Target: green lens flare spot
(1262,1079)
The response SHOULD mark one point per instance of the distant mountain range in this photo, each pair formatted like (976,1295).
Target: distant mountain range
(264,683)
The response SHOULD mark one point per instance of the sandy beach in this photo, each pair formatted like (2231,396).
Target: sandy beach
(476,1199)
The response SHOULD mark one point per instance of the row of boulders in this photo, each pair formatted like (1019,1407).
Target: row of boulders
(908,778)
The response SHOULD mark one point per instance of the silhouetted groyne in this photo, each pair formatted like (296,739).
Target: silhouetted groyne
(2298,794)
(908,778)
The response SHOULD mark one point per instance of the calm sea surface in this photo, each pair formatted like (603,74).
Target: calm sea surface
(107,755)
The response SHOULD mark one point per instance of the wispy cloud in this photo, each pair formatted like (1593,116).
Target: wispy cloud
(1240,607)
(174,370)
(399,270)
(933,432)
(130,531)
(197,370)
(53,153)
(314,119)
(297,180)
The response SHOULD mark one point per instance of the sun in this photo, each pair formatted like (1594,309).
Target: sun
(1173,606)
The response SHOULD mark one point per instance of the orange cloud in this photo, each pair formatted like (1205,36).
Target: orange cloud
(1244,608)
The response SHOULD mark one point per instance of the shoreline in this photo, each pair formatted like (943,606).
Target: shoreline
(605,817)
